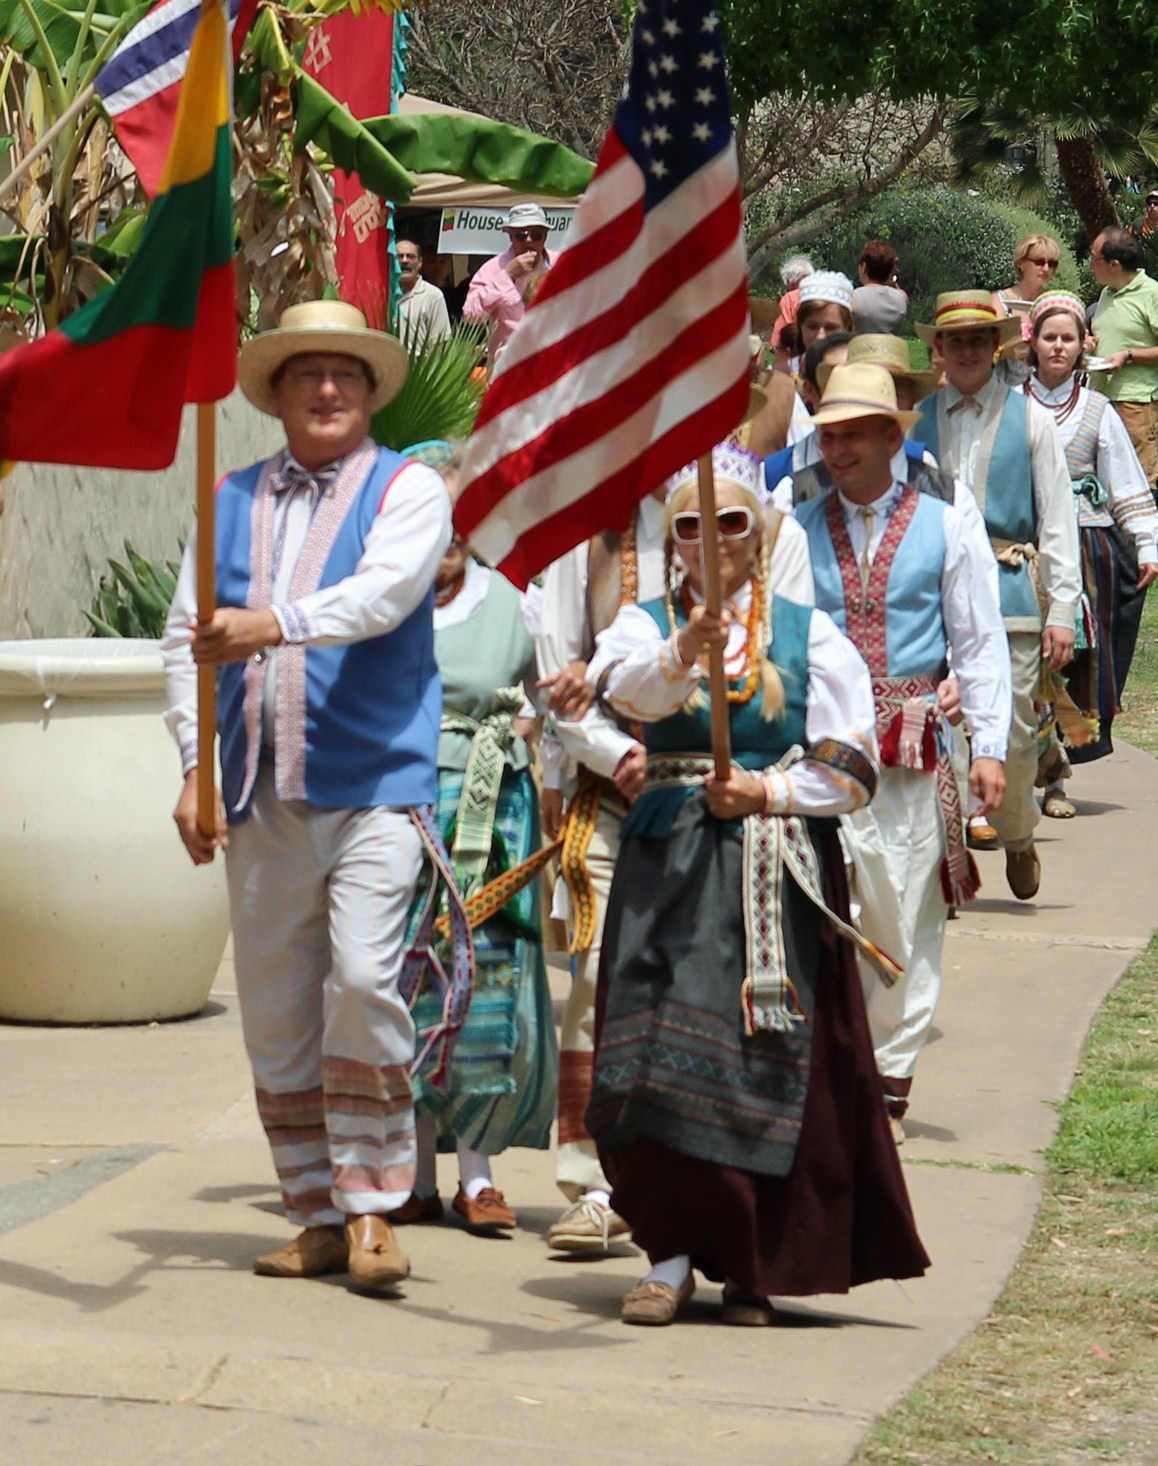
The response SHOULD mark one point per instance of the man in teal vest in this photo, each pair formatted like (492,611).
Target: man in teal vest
(328,709)
(1006,448)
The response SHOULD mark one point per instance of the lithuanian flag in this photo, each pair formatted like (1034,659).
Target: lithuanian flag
(106,389)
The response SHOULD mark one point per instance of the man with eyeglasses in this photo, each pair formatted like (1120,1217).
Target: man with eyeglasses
(910,579)
(502,289)
(328,707)
(1125,326)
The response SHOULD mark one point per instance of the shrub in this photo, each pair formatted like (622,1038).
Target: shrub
(946,240)
(135,601)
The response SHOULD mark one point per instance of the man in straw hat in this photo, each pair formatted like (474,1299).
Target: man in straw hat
(783,471)
(329,706)
(1006,448)
(582,592)
(910,578)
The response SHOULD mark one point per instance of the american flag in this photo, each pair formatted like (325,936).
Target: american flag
(141,81)
(633,359)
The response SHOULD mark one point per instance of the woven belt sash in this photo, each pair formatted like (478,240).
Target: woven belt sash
(437,1043)
(474,823)
(1056,706)
(582,814)
(772,843)
(913,734)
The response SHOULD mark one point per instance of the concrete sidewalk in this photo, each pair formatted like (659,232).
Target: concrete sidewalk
(135,1190)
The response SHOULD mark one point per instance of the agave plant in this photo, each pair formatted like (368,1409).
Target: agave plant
(134,602)
(441,394)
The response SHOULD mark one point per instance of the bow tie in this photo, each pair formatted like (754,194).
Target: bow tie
(970,402)
(293,478)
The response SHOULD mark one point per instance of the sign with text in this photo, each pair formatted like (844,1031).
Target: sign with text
(469,230)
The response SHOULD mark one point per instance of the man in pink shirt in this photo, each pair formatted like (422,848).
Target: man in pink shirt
(502,288)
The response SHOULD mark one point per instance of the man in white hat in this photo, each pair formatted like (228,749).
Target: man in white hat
(500,290)
(328,708)
(1006,447)
(910,578)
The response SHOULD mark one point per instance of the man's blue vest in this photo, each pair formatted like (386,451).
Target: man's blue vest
(373,707)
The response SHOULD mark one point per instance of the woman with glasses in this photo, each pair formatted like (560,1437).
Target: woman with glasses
(1035,262)
(735,1098)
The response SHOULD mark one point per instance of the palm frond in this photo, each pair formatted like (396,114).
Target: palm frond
(441,394)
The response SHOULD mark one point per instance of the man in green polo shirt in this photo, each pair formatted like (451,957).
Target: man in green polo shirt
(1126,328)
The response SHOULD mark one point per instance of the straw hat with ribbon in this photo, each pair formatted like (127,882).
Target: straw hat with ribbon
(967,310)
(328,326)
(889,352)
(860,390)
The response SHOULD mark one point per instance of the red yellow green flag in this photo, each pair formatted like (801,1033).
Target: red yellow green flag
(106,388)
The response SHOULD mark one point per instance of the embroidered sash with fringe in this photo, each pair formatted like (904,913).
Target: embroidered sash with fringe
(773,844)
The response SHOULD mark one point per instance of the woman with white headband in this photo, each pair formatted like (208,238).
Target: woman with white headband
(1117,523)
(735,1098)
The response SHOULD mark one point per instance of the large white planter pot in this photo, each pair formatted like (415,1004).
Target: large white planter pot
(103,919)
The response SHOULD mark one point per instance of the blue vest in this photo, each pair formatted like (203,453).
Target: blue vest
(914,625)
(1010,512)
(756,743)
(372,707)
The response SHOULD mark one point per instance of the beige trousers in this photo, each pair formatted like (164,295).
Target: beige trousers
(319,901)
(1017,818)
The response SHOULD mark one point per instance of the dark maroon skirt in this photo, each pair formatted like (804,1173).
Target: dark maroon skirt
(841,1216)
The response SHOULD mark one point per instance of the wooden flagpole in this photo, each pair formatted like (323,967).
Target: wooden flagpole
(710,560)
(206,605)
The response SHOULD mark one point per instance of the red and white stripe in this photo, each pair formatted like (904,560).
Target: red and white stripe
(632,361)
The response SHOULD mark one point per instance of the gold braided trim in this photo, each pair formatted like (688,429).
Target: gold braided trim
(578,829)
(490,899)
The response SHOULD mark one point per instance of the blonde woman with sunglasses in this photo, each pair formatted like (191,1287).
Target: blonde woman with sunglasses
(735,1099)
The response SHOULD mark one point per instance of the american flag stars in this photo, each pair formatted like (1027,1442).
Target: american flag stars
(675,54)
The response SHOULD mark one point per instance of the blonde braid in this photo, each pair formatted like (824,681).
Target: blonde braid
(772,698)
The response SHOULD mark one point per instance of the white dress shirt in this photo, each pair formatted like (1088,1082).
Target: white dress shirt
(970,606)
(399,559)
(646,680)
(963,440)
(595,740)
(1130,502)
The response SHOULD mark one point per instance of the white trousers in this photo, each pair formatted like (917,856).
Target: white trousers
(895,847)
(577,1168)
(1017,818)
(319,901)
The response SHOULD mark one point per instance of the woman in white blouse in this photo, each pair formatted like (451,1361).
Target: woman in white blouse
(1117,522)
(735,1099)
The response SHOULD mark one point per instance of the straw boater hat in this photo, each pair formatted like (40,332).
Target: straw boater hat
(329,326)
(860,390)
(889,352)
(966,310)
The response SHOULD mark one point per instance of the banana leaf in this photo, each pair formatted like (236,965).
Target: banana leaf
(63,27)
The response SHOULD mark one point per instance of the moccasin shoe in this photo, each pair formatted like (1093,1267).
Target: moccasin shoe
(376,1260)
(746,1310)
(487,1212)
(311,1254)
(588,1226)
(982,836)
(1056,806)
(897,1129)
(418,1209)
(1023,872)
(656,1303)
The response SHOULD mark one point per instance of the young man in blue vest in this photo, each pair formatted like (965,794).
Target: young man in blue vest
(1006,448)
(907,574)
(328,708)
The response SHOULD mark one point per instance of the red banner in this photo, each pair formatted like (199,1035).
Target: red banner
(353,58)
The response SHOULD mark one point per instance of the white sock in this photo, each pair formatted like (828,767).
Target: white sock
(426,1171)
(672,1270)
(978,819)
(474,1171)
(601,1198)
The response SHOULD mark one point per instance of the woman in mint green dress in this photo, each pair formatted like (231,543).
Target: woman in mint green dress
(500,1090)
